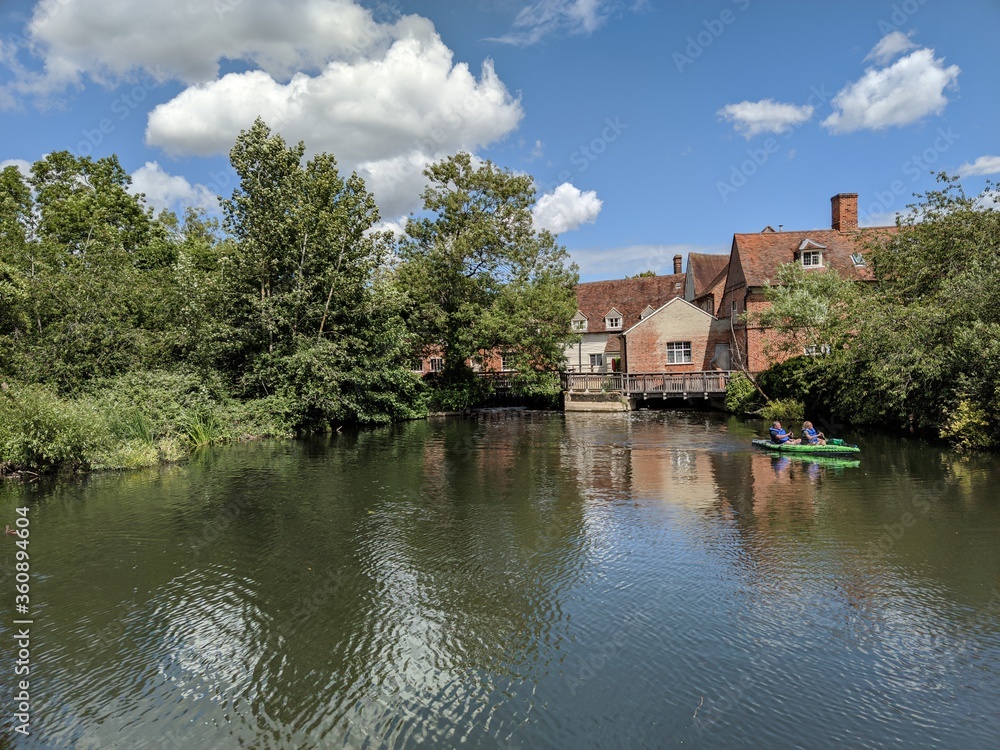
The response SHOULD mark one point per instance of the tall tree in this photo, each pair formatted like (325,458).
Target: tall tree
(313,322)
(481,278)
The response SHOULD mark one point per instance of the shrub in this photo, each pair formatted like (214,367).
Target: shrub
(783,410)
(40,431)
(968,426)
(741,396)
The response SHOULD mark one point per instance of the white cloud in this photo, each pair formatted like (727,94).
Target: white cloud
(566,208)
(110,41)
(765,116)
(22,166)
(889,46)
(386,98)
(546,17)
(982,165)
(386,117)
(903,93)
(172,192)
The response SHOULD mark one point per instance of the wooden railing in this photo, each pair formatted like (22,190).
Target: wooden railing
(656,383)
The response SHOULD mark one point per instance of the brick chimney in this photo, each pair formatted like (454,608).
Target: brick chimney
(845,211)
(678,262)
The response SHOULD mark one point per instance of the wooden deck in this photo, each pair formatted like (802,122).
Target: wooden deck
(666,385)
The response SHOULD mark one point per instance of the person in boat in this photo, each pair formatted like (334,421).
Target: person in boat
(810,436)
(778,435)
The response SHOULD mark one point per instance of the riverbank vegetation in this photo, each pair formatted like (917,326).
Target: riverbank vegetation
(126,338)
(918,349)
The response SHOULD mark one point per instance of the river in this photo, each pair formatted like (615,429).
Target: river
(516,579)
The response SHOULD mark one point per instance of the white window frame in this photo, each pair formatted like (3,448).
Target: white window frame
(858,259)
(505,363)
(816,350)
(613,324)
(811,254)
(579,325)
(596,360)
(437,364)
(680,349)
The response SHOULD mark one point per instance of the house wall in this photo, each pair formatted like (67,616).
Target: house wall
(577,356)
(646,344)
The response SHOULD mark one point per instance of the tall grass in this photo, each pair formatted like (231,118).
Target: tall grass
(203,429)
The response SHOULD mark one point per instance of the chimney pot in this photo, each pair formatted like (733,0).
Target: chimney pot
(844,208)
(678,262)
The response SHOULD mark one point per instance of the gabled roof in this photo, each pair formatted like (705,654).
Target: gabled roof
(629,296)
(761,254)
(706,270)
(669,304)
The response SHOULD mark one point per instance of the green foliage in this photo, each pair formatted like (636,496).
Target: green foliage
(134,337)
(783,409)
(40,431)
(968,426)
(920,349)
(741,396)
(457,390)
(809,308)
(480,278)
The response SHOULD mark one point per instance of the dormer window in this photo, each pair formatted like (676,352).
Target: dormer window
(812,258)
(613,320)
(579,322)
(857,259)
(811,254)
(647,312)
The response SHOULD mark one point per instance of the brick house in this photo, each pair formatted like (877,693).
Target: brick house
(678,337)
(605,309)
(705,280)
(754,260)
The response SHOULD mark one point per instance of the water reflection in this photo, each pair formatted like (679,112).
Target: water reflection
(528,580)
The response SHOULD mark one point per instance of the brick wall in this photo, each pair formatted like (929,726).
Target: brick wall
(679,321)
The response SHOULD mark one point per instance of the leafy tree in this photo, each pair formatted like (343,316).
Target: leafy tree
(919,349)
(481,279)
(308,316)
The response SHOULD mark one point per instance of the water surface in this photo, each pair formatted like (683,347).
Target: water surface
(532,580)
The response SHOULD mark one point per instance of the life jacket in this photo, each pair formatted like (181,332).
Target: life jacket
(775,438)
(809,435)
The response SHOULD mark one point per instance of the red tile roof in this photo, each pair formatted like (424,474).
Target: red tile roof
(705,270)
(761,253)
(629,296)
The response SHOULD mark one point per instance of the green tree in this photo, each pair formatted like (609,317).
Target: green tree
(310,318)
(920,348)
(481,279)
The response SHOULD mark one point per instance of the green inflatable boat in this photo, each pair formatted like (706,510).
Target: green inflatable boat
(832,448)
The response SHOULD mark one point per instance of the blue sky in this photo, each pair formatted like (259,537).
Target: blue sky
(651,128)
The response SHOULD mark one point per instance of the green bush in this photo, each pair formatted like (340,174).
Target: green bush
(784,410)
(741,396)
(40,431)
(968,426)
